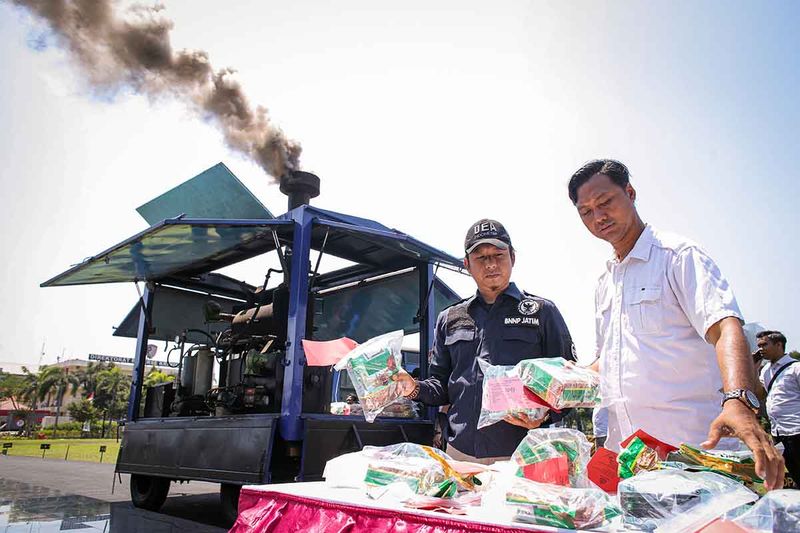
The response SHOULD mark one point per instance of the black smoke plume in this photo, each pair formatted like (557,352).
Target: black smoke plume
(134,50)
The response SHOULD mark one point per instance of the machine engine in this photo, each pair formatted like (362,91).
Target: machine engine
(241,370)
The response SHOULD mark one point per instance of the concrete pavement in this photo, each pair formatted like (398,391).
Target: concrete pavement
(93,480)
(55,495)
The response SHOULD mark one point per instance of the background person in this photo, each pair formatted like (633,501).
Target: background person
(667,328)
(600,426)
(499,324)
(780,384)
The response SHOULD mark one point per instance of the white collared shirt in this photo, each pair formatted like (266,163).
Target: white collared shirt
(653,310)
(783,400)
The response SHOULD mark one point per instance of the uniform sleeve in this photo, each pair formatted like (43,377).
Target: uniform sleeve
(433,391)
(557,339)
(702,291)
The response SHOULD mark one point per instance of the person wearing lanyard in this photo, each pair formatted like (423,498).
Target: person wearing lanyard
(780,384)
(668,331)
(500,324)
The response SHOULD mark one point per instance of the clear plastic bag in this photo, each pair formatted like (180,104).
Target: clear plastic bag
(559,385)
(424,469)
(457,505)
(778,510)
(703,514)
(504,394)
(543,444)
(344,408)
(346,471)
(400,408)
(651,499)
(551,505)
(371,366)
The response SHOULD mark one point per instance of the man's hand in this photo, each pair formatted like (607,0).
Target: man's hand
(737,420)
(405,382)
(525,421)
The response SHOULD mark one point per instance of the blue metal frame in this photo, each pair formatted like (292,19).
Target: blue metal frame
(291,425)
(427,318)
(427,324)
(142,336)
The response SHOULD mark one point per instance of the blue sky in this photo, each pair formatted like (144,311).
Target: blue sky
(426,119)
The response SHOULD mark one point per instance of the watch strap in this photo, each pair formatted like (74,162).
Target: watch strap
(741,395)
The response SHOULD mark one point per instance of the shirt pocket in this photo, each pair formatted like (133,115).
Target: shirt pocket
(645,309)
(518,343)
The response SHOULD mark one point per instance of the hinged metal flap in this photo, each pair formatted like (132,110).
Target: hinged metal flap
(178,248)
(214,193)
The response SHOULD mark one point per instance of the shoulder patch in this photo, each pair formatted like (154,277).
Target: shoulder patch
(543,302)
(458,318)
(528,306)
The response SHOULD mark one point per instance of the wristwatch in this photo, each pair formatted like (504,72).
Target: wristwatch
(745,396)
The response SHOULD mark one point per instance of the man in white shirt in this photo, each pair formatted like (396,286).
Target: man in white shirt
(668,330)
(780,383)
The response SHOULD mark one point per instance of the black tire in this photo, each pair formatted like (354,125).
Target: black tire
(149,492)
(229,498)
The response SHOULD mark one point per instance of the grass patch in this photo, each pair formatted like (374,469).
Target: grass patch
(72,449)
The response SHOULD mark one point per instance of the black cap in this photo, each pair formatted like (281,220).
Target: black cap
(486,231)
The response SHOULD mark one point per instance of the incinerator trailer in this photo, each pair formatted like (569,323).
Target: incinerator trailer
(247,407)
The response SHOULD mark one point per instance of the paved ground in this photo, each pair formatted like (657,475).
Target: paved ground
(53,495)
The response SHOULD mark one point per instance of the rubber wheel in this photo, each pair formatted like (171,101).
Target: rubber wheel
(149,492)
(229,498)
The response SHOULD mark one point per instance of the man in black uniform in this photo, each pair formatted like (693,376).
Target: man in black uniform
(499,324)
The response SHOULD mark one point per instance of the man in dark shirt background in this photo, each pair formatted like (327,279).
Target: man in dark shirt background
(499,324)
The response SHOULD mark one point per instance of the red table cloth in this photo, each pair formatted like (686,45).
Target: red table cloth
(277,511)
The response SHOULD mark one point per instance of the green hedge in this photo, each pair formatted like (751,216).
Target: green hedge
(74,430)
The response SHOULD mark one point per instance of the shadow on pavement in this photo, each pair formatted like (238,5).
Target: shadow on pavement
(201,513)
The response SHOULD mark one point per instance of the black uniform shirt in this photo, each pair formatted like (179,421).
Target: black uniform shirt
(517,326)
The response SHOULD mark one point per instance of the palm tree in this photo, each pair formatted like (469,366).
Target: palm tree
(29,395)
(112,382)
(88,377)
(54,380)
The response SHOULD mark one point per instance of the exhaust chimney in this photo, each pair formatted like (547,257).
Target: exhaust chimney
(300,187)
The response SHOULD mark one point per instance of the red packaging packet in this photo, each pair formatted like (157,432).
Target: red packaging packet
(532,398)
(603,470)
(327,353)
(723,526)
(555,471)
(661,448)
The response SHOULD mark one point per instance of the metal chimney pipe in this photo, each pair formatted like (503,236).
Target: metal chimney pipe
(300,187)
